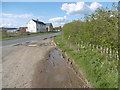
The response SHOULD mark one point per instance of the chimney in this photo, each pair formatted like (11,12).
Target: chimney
(37,21)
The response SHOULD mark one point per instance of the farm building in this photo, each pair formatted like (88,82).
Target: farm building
(49,27)
(22,29)
(34,26)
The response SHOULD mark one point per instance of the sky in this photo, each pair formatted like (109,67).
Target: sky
(18,14)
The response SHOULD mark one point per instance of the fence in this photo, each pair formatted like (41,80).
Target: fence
(108,52)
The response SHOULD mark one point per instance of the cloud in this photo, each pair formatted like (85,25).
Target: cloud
(80,8)
(9,22)
(6,25)
(59,21)
(19,15)
(15,20)
(95,6)
(6,22)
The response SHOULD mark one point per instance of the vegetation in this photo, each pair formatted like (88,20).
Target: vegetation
(98,29)
(100,71)
(58,28)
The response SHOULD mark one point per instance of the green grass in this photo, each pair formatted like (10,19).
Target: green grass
(22,36)
(100,71)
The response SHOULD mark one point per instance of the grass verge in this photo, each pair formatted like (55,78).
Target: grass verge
(100,71)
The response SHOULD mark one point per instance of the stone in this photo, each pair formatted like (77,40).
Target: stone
(32,45)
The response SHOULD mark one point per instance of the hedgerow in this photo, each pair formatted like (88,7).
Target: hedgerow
(100,28)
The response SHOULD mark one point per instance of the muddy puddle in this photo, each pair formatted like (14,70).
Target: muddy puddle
(56,72)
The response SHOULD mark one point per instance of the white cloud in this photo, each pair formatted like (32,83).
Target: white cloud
(11,25)
(15,20)
(19,15)
(80,8)
(59,21)
(9,22)
(94,6)
(6,25)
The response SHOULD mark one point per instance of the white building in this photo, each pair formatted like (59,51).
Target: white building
(36,26)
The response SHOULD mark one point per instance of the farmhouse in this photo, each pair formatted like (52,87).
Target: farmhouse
(34,26)
(49,27)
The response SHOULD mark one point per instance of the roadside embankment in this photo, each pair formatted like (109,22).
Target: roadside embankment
(101,72)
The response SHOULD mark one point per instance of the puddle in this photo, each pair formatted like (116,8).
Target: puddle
(57,58)
(55,72)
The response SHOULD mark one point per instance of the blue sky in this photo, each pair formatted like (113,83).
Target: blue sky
(16,14)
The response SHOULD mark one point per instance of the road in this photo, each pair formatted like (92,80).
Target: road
(6,44)
(38,64)
(6,48)
(34,38)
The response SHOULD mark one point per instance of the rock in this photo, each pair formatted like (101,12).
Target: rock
(33,45)
(27,42)
(33,42)
(17,44)
(44,38)
(45,44)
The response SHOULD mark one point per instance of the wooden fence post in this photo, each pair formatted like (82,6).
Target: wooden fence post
(90,45)
(110,52)
(101,50)
(113,53)
(107,51)
(117,56)
(97,47)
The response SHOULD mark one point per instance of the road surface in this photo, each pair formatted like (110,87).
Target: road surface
(38,64)
(33,38)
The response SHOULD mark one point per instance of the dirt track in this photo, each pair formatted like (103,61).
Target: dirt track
(32,65)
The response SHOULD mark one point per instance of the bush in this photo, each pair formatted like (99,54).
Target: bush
(100,28)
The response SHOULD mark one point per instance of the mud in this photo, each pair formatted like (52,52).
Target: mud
(55,72)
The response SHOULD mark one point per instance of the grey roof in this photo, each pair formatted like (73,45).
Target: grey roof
(48,24)
(39,22)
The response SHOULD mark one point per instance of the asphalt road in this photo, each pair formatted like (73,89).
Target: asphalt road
(33,38)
